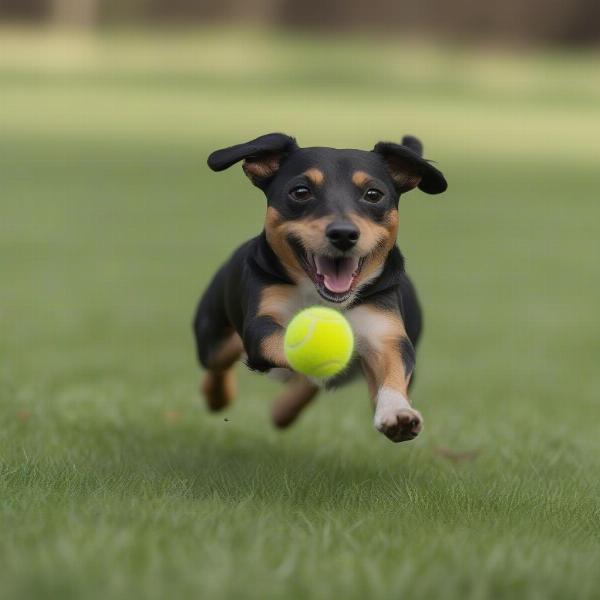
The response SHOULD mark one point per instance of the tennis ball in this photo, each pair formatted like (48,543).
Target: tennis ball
(318,342)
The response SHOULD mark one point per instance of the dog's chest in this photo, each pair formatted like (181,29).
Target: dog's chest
(284,306)
(370,326)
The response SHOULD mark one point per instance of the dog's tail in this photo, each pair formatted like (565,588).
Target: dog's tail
(410,141)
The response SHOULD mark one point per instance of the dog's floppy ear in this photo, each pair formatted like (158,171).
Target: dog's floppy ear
(408,168)
(262,156)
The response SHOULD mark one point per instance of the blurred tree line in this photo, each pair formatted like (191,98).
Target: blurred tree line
(567,22)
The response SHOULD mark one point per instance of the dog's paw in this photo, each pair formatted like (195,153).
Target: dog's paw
(399,424)
(218,389)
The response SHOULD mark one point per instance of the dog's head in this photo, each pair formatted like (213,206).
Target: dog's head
(332,214)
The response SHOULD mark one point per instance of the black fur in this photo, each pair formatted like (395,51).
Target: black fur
(270,143)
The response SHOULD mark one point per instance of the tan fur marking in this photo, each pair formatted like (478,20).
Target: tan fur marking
(273,301)
(382,361)
(379,334)
(376,240)
(263,168)
(228,353)
(310,231)
(276,230)
(219,381)
(406,179)
(360,178)
(272,349)
(315,176)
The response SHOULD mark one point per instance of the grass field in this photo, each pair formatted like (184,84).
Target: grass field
(115,482)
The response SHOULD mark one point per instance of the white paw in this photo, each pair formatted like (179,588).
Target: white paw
(395,418)
(400,426)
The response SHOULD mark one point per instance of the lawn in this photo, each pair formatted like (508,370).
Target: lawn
(115,481)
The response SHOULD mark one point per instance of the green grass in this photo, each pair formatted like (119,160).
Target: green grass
(115,482)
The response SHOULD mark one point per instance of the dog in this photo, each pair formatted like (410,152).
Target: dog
(329,239)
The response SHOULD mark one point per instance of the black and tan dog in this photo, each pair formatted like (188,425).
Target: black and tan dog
(329,238)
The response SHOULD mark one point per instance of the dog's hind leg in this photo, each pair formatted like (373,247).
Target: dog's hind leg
(217,344)
(298,394)
(218,386)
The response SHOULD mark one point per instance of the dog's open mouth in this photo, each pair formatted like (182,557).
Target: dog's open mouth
(336,274)
(333,276)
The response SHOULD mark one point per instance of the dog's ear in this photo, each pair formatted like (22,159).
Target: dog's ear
(408,168)
(262,157)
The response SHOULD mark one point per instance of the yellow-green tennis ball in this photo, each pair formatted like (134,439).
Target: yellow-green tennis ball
(318,342)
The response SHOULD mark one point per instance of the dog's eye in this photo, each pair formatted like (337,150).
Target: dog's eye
(300,193)
(373,195)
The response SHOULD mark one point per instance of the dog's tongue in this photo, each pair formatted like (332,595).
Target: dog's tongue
(337,273)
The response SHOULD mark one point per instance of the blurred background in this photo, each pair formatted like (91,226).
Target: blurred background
(562,22)
(114,478)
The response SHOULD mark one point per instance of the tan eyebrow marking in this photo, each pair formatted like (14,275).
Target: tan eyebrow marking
(360,178)
(315,175)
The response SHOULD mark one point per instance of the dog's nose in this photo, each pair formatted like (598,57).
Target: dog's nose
(342,234)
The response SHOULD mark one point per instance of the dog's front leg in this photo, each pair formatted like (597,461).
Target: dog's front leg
(387,358)
(263,342)
(388,382)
